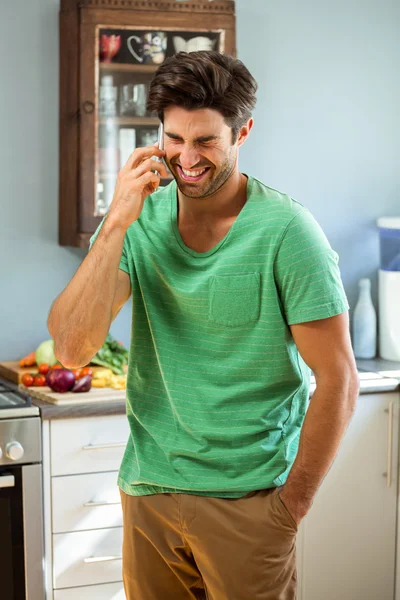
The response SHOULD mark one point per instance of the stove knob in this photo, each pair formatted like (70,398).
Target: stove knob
(14,450)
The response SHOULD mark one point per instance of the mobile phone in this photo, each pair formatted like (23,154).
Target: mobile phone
(160,143)
(161,137)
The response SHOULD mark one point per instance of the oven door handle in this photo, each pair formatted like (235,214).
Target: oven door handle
(7,481)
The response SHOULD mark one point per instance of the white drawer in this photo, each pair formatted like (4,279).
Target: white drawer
(107,591)
(88,445)
(82,502)
(87,557)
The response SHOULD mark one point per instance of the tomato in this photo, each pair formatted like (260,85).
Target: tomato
(77,373)
(40,380)
(86,371)
(56,367)
(44,368)
(27,379)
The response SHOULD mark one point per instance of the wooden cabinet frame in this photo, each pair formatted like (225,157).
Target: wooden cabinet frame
(79,22)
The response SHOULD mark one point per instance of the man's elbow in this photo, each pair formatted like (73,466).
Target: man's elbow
(73,352)
(71,359)
(349,382)
(61,355)
(343,382)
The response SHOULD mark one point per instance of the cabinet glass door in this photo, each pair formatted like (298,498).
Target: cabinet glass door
(127,60)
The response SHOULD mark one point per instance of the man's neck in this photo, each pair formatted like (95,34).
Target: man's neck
(226,203)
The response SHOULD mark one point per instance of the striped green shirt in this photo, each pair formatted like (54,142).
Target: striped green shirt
(217,391)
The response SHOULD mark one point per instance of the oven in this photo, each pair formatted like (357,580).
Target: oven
(21,505)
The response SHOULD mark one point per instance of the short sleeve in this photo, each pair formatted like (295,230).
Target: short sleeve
(307,273)
(123,265)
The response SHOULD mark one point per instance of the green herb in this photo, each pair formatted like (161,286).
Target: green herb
(112,355)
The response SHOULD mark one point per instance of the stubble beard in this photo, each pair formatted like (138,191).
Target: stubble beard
(212,186)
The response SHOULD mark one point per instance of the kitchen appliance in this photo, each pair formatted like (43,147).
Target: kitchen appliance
(389,288)
(21,507)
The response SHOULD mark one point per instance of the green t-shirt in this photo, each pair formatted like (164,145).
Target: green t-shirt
(216,390)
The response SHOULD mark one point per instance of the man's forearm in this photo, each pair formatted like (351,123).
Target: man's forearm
(326,421)
(80,317)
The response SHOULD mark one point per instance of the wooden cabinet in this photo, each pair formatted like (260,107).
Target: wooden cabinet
(90,557)
(346,545)
(109,52)
(348,539)
(107,591)
(83,515)
(72,510)
(88,445)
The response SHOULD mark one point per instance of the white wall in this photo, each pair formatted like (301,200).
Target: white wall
(328,119)
(327,131)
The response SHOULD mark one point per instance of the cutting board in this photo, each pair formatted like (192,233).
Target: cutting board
(69,398)
(13,372)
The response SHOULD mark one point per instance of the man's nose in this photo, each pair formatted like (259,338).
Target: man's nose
(189,157)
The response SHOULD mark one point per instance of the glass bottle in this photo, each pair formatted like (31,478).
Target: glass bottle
(364,323)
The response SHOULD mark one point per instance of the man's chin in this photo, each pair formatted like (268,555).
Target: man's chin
(190,191)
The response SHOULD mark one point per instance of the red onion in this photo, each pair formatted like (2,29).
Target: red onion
(60,380)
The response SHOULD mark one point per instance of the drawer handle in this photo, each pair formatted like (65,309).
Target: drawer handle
(92,504)
(388,473)
(104,446)
(96,559)
(7,481)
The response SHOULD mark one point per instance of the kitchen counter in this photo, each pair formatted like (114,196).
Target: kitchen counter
(90,409)
(386,368)
(376,375)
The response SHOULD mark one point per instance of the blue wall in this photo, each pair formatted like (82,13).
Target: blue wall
(327,132)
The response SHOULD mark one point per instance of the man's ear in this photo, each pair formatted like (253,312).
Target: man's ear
(245,132)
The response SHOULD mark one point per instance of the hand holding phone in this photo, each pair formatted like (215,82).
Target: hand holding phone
(137,179)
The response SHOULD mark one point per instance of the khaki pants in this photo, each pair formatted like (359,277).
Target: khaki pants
(183,547)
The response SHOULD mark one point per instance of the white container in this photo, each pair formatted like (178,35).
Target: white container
(389,288)
(389,314)
(364,323)
(127,144)
(108,94)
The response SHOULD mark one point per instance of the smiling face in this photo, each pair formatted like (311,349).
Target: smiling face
(199,150)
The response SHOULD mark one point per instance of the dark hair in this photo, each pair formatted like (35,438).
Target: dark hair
(205,80)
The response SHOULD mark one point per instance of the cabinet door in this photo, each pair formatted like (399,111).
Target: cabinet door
(90,445)
(106,591)
(86,558)
(300,561)
(350,531)
(89,501)
(114,86)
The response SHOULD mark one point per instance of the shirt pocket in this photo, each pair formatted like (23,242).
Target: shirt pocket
(234,300)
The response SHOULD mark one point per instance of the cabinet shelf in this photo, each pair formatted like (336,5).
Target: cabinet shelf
(134,121)
(127,68)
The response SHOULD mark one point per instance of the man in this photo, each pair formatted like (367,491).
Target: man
(236,295)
